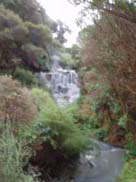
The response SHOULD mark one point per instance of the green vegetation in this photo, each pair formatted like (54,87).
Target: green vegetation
(57,126)
(108,72)
(71,56)
(26,77)
(30,118)
(13,157)
(34,131)
(36,121)
(129,172)
(22,43)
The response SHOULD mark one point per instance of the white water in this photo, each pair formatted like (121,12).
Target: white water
(63,83)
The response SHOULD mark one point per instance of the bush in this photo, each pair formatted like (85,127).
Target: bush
(101,134)
(26,77)
(13,157)
(87,119)
(130,146)
(56,126)
(16,104)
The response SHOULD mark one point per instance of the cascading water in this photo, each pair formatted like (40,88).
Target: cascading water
(63,83)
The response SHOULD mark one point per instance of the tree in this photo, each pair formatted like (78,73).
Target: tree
(28,10)
(22,43)
(121,8)
(60,29)
(74,51)
(113,44)
(108,47)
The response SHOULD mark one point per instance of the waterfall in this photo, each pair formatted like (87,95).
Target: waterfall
(63,83)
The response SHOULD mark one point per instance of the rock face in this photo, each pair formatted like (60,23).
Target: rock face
(63,83)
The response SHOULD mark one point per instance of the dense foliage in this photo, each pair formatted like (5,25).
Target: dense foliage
(27,121)
(22,43)
(35,133)
(109,61)
(108,69)
(13,157)
(16,104)
(59,126)
(54,137)
(33,129)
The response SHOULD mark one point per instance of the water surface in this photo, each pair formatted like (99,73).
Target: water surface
(103,166)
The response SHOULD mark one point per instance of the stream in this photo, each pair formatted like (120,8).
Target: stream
(104,166)
(104,162)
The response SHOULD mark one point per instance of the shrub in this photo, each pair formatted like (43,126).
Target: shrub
(130,146)
(57,126)
(16,104)
(13,156)
(26,77)
(101,134)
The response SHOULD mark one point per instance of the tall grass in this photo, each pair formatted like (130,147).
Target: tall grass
(13,157)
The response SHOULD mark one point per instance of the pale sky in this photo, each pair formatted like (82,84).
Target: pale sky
(64,11)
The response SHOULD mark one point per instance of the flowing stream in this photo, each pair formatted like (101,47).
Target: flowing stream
(103,165)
